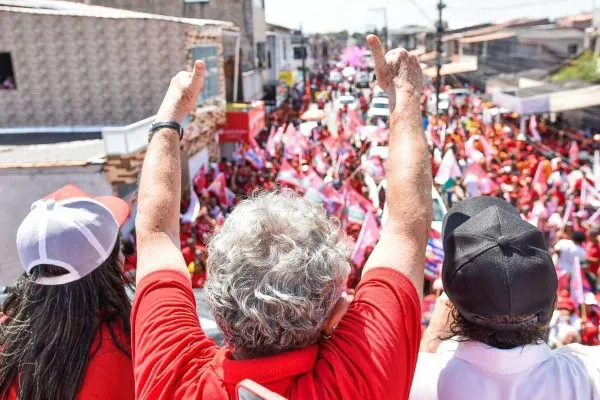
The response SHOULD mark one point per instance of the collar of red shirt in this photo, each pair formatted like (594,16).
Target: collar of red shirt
(266,369)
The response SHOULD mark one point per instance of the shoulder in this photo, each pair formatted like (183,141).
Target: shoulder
(109,372)
(428,371)
(579,361)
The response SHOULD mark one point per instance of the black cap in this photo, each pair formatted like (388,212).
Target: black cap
(496,264)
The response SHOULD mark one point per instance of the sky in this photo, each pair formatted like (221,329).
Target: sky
(356,16)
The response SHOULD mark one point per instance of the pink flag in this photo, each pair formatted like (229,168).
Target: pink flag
(274,139)
(574,152)
(368,237)
(319,162)
(334,201)
(540,179)
(576,282)
(219,189)
(354,197)
(296,143)
(476,175)
(290,177)
(312,179)
(331,145)
(568,211)
(533,127)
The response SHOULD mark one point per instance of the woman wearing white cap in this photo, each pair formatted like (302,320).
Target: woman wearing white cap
(64,332)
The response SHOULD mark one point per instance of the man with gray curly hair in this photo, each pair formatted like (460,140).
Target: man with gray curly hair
(277,274)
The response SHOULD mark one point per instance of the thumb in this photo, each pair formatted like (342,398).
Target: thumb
(378,56)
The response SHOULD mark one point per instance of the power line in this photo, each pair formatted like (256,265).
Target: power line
(414,2)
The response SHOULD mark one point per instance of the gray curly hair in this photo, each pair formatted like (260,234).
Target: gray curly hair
(275,271)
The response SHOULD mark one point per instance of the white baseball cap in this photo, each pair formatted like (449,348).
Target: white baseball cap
(71,230)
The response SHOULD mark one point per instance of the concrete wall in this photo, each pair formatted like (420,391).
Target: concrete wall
(21,187)
(240,12)
(87,71)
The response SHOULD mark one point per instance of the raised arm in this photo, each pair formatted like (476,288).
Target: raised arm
(157,222)
(404,237)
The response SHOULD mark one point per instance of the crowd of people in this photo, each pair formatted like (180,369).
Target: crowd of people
(316,245)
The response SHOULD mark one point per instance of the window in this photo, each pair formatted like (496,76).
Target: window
(572,49)
(196,1)
(299,53)
(7,74)
(259,3)
(212,86)
(260,54)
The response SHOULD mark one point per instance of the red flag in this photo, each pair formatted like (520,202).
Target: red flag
(368,237)
(219,189)
(289,176)
(200,179)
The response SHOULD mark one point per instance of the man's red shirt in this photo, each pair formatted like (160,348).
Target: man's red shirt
(371,355)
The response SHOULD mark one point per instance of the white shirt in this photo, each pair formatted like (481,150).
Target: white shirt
(476,371)
(568,251)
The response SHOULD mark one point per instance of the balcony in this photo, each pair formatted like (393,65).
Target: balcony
(126,139)
(252,86)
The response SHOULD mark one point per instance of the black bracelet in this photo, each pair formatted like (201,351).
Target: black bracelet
(165,124)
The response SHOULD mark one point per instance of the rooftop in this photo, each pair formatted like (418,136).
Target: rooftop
(487,38)
(76,153)
(58,7)
(551,33)
(551,88)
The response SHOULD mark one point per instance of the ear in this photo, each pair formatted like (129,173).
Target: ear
(338,312)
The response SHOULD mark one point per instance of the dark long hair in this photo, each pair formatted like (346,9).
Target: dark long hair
(47,336)
(464,330)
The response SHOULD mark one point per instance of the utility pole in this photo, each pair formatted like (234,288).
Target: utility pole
(439,34)
(303,56)
(383,11)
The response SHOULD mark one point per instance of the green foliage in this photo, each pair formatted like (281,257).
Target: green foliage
(583,68)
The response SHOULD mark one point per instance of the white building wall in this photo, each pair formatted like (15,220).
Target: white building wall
(21,187)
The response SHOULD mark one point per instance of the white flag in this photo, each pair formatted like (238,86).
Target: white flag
(193,210)
(449,169)
(576,282)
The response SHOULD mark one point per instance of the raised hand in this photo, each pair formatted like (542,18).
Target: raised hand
(398,73)
(181,95)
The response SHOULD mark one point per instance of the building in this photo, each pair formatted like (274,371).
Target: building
(513,48)
(410,37)
(280,71)
(88,81)
(250,43)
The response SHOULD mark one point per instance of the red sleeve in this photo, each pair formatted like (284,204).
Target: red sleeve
(373,352)
(169,346)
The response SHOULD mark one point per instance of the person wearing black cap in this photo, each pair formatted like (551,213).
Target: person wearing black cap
(492,327)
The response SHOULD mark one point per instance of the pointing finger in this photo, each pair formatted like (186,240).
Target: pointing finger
(198,74)
(378,56)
